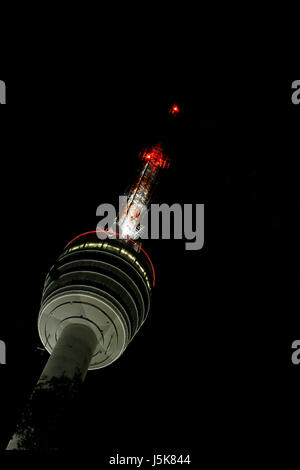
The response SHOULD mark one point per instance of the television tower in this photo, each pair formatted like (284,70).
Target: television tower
(95,299)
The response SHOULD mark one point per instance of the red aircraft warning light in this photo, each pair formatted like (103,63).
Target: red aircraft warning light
(175,110)
(156,157)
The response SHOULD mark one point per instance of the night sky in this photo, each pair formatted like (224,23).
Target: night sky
(210,371)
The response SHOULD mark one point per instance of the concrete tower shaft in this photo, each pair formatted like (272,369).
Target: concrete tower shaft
(58,384)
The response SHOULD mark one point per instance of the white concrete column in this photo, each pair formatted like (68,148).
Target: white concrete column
(69,360)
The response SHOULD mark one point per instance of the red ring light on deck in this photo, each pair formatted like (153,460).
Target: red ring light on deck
(115,233)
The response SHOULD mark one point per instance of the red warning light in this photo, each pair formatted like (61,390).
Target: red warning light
(174,110)
(156,157)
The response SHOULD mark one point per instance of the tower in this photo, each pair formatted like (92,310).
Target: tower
(96,297)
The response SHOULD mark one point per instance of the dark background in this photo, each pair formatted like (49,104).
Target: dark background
(210,372)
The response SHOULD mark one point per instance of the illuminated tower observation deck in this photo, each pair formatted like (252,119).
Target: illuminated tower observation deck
(104,285)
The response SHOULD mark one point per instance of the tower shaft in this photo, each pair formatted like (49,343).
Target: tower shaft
(72,354)
(60,380)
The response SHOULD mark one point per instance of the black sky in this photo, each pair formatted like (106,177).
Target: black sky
(213,359)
